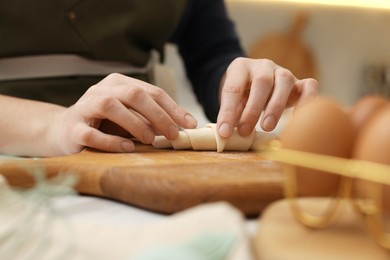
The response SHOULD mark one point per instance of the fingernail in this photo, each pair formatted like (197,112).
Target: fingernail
(148,137)
(191,121)
(269,123)
(173,132)
(245,129)
(225,130)
(127,147)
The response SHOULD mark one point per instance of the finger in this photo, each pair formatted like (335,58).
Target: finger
(261,88)
(308,88)
(163,113)
(93,138)
(109,127)
(284,82)
(235,85)
(143,119)
(112,109)
(179,115)
(136,98)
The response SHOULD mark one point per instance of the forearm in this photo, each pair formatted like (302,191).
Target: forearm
(27,127)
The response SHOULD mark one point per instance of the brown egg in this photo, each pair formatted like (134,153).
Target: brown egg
(320,126)
(364,109)
(373,144)
(373,141)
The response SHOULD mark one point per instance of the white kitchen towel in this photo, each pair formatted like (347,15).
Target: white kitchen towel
(33,228)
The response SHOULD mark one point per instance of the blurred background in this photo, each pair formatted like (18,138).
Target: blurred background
(345,45)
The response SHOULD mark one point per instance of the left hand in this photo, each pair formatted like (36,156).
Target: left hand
(252,86)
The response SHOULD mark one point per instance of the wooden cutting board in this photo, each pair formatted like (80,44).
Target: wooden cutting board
(164,181)
(280,236)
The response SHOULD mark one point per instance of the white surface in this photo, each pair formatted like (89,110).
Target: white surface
(97,210)
(34,228)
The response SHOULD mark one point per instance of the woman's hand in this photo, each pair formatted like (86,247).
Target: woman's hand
(139,108)
(252,86)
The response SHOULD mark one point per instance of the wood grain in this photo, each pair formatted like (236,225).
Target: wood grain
(164,181)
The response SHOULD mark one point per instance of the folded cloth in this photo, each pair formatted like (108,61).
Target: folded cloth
(33,228)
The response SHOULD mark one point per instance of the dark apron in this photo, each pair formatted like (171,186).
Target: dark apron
(108,30)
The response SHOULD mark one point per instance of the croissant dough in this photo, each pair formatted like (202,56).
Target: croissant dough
(207,139)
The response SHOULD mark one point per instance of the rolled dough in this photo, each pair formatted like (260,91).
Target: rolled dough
(207,139)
